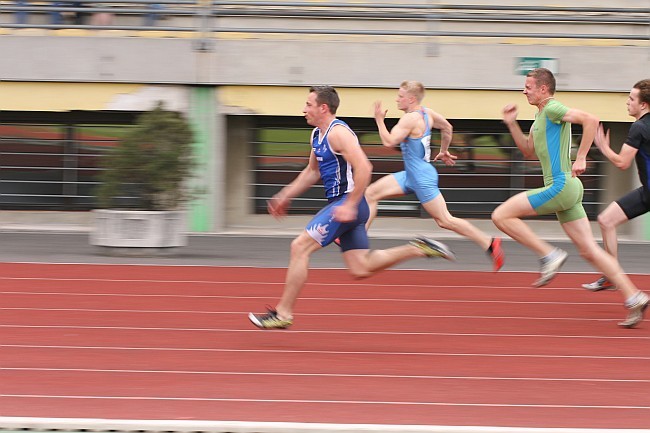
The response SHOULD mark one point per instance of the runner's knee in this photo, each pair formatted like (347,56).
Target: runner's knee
(359,264)
(497,217)
(300,245)
(605,223)
(359,273)
(445,222)
(372,194)
(590,253)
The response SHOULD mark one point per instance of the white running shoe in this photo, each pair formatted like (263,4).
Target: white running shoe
(433,248)
(551,267)
(635,316)
(601,283)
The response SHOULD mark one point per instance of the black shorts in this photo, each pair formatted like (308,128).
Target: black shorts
(635,203)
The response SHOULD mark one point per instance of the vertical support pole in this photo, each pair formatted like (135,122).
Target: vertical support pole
(204,41)
(69,166)
(203,120)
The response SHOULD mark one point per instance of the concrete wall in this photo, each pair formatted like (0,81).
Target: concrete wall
(236,206)
(348,61)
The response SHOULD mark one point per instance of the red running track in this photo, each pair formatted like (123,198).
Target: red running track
(404,347)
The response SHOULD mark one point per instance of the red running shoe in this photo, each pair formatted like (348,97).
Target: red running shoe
(496,254)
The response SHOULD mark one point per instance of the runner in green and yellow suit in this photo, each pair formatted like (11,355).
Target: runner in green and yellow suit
(550,140)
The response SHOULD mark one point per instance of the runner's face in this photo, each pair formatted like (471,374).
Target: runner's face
(313,111)
(634,104)
(533,92)
(403,99)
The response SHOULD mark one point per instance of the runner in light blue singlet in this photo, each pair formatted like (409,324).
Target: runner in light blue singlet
(420,176)
(413,134)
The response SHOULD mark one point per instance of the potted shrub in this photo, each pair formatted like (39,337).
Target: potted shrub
(144,185)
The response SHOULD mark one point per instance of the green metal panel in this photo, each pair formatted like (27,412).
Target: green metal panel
(203,118)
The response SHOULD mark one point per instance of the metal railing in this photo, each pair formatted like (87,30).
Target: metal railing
(51,166)
(336,18)
(489,170)
(56,167)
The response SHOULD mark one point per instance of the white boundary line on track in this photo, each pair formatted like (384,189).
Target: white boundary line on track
(325,352)
(345,375)
(296,331)
(305,298)
(78,424)
(346,402)
(274,283)
(350,284)
(341,268)
(238,313)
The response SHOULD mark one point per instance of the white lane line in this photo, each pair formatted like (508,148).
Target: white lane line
(325,352)
(179,296)
(346,402)
(346,375)
(295,331)
(331,268)
(238,313)
(352,284)
(149,280)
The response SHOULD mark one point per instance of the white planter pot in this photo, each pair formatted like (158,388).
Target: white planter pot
(138,229)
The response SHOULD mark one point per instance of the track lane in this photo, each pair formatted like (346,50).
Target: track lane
(421,347)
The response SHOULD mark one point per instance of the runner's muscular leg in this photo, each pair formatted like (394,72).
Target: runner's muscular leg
(365,263)
(302,248)
(580,233)
(609,220)
(384,187)
(507,217)
(437,208)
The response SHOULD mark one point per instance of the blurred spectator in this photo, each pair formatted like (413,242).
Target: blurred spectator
(153,16)
(21,16)
(76,17)
(101,19)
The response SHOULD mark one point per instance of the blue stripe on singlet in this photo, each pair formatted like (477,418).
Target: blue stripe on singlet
(559,179)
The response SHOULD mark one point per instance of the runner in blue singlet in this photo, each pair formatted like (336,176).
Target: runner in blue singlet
(413,134)
(337,159)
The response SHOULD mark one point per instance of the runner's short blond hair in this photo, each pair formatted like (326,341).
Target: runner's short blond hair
(414,88)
